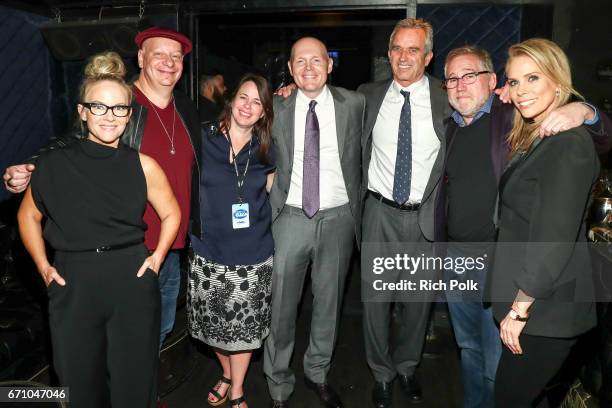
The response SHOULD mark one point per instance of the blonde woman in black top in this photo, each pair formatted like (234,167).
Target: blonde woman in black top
(103,292)
(541,282)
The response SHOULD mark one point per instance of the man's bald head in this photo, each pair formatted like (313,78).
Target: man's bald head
(311,41)
(309,65)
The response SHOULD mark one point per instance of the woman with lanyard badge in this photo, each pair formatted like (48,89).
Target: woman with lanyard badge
(230,276)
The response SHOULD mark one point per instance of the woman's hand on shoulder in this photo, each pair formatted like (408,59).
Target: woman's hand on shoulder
(286,90)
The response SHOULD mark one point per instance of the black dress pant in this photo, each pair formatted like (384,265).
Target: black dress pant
(521,379)
(105,328)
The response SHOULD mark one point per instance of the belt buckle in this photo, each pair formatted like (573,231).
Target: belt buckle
(410,206)
(103,248)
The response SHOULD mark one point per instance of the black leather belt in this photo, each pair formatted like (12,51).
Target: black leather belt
(106,248)
(391,203)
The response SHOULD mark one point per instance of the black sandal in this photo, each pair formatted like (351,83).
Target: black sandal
(237,402)
(220,399)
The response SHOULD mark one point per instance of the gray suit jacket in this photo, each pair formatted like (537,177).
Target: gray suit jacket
(350,108)
(440,109)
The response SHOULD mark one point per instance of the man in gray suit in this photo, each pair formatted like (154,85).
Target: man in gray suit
(403,158)
(316,210)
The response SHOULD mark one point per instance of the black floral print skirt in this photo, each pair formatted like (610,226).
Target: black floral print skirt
(229,305)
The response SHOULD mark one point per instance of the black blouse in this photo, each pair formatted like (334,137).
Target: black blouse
(91,195)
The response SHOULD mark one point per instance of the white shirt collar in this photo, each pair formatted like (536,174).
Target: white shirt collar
(417,86)
(322,99)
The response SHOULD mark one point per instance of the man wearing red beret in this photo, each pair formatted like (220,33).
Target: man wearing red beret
(167,129)
(164,125)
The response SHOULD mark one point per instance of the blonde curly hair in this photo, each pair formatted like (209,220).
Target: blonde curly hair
(105,66)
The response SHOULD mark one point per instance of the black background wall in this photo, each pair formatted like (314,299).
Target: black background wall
(590,50)
(29,97)
(37,92)
(235,43)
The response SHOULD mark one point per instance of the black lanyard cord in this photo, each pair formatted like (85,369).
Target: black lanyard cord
(240,179)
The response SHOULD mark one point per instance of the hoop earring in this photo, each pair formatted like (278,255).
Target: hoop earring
(557,92)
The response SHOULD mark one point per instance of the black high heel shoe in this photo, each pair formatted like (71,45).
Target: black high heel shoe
(237,402)
(214,391)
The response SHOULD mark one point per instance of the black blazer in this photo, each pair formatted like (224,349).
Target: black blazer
(544,198)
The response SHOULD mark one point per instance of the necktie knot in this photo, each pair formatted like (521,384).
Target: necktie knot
(405,94)
(311,105)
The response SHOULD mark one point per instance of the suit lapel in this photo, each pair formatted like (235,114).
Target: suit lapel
(341,116)
(501,123)
(375,101)
(375,98)
(287,117)
(451,131)
(439,112)
(439,107)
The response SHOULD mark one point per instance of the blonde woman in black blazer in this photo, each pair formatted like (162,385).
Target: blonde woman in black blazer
(544,193)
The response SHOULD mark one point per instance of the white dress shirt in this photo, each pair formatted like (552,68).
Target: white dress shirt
(425,143)
(332,191)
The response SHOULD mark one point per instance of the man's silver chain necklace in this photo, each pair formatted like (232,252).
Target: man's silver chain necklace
(170,138)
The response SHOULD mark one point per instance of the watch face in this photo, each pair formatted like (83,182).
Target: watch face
(515,316)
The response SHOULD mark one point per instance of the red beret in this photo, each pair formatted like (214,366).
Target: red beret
(165,33)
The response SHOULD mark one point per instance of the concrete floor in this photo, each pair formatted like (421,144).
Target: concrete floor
(439,372)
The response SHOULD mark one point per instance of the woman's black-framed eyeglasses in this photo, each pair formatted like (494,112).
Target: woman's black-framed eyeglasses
(100,109)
